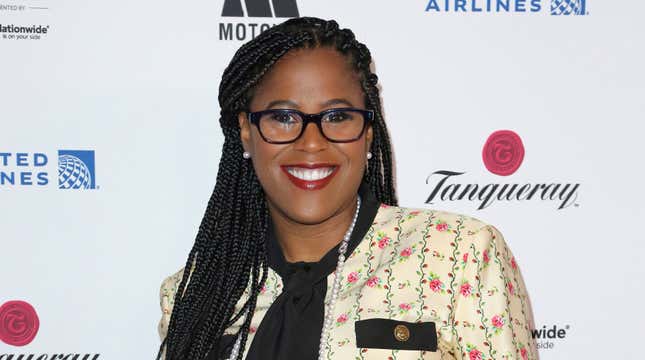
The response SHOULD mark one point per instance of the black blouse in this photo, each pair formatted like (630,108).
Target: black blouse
(292,325)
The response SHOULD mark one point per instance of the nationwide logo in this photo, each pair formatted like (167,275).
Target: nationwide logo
(546,337)
(19,324)
(243,30)
(502,155)
(22,32)
(558,7)
(76,169)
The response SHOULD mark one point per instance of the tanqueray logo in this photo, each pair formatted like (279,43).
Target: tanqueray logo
(19,324)
(502,155)
(557,7)
(76,169)
(240,29)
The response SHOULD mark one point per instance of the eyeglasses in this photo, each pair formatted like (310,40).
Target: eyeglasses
(283,126)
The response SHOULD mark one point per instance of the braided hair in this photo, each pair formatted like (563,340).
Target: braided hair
(230,245)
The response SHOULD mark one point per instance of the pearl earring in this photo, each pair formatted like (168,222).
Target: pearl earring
(246,155)
(369,155)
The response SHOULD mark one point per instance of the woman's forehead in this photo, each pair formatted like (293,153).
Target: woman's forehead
(309,78)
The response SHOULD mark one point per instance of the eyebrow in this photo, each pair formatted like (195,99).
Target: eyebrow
(287,103)
(293,105)
(337,101)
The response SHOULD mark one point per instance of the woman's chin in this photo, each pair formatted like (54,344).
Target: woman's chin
(313,214)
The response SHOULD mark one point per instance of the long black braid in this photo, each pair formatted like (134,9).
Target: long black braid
(230,245)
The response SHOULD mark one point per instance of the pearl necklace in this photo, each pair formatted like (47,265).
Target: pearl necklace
(329,307)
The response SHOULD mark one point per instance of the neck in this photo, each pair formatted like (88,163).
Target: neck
(310,242)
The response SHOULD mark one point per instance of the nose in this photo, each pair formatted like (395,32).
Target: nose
(312,139)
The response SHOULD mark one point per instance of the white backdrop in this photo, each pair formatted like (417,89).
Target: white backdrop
(136,82)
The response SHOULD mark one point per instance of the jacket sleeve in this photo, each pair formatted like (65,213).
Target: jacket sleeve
(493,317)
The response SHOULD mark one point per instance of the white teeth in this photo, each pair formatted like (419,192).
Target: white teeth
(310,174)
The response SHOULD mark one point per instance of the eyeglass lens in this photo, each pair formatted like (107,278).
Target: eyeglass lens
(336,125)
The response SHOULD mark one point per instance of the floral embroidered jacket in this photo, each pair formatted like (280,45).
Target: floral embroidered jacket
(421,284)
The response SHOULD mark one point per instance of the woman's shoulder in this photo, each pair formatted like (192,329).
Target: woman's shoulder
(432,222)
(441,234)
(167,292)
(170,284)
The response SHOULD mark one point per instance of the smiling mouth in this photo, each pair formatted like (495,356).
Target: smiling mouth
(310,177)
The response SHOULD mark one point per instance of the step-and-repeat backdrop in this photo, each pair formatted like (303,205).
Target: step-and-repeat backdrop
(527,114)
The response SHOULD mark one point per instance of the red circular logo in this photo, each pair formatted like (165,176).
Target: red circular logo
(18,323)
(503,152)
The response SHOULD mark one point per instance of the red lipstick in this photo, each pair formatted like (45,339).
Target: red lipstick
(310,184)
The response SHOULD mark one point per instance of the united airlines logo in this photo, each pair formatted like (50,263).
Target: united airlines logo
(558,7)
(261,8)
(568,7)
(76,169)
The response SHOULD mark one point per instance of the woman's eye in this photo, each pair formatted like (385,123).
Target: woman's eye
(283,118)
(338,117)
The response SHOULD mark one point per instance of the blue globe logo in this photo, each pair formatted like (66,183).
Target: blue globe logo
(73,173)
(568,7)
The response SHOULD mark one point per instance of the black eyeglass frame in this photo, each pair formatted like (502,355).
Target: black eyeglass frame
(254,117)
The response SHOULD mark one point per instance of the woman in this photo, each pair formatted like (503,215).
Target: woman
(303,252)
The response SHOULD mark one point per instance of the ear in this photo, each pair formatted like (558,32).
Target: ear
(369,136)
(245,130)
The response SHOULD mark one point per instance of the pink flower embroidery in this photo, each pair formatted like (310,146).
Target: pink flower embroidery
(342,318)
(263,289)
(406,252)
(373,281)
(404,306)
(435,285)
(497,321)
(466,289)
(442,226)
(383,242)
(486,256)
(465,258)
(475,354)
(524,353)
(352,277)
(252,329)
(511,289)
(513,263)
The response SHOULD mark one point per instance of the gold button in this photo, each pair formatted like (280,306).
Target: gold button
(401,332)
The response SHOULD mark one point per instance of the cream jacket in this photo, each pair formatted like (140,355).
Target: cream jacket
(448,273)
